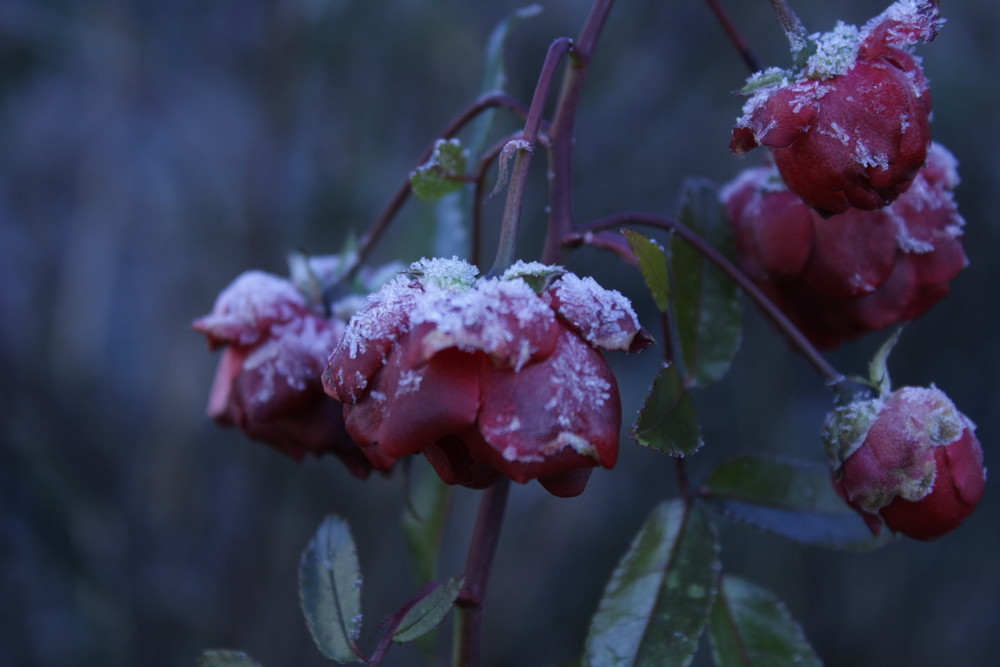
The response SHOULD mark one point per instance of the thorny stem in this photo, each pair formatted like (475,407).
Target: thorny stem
(486,535)
(712,254)
(525,145)
(561,133)
(734,35)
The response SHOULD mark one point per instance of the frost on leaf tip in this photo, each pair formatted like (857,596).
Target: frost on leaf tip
(835,53)
(454,273)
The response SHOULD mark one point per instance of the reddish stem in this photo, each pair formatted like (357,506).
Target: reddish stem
(561,134)
(486,535)
(507,245)
(734,35)
(712,254)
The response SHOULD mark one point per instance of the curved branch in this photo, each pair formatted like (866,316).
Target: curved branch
(712,254)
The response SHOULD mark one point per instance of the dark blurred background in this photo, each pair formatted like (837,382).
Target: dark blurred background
(151,151)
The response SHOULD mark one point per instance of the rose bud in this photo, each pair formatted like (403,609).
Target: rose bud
(489,377)
(908,459)
(840,277)
(850,128)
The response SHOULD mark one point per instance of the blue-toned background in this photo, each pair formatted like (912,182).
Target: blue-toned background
(151,151)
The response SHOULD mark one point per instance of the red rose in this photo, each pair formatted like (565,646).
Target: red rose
(845,275)
(267,384)
(909,459)
(486,377)
(851,127)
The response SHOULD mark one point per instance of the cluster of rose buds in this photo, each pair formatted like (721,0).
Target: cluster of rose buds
(486,377)
(909,459)
(276,338)
(842,276)
(850,127)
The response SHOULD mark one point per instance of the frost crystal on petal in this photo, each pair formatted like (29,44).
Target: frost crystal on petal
(249,306)
(382,319)
(603,317)
(904,23)
(504,319)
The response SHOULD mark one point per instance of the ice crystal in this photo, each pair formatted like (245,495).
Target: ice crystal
(836,52)
(603,317)
(454,273)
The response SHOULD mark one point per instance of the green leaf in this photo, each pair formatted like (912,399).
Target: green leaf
(795,499)
(429,611)
(330,590)
(653,265)
(749,627)
(424,518)
(656,605)
(444,172)
(226,658)
(707,306)
(668,421)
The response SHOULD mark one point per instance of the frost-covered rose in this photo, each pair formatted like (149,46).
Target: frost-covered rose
(486,377)
(851,127)
(275,341)
(845,275)
(909,459)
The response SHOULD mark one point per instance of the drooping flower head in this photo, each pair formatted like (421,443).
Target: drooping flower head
(845,275)
(276,338)
(486,377)
(850,126)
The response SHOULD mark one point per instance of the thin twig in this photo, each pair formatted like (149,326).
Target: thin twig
(561,153)
(510,225)
(726,21)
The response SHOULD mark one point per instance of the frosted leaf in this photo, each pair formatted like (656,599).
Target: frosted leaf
(249,306)
(539,276)
(603,317)
(451,273)
(836,52)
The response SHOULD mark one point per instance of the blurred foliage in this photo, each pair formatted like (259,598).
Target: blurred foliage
(151,151)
